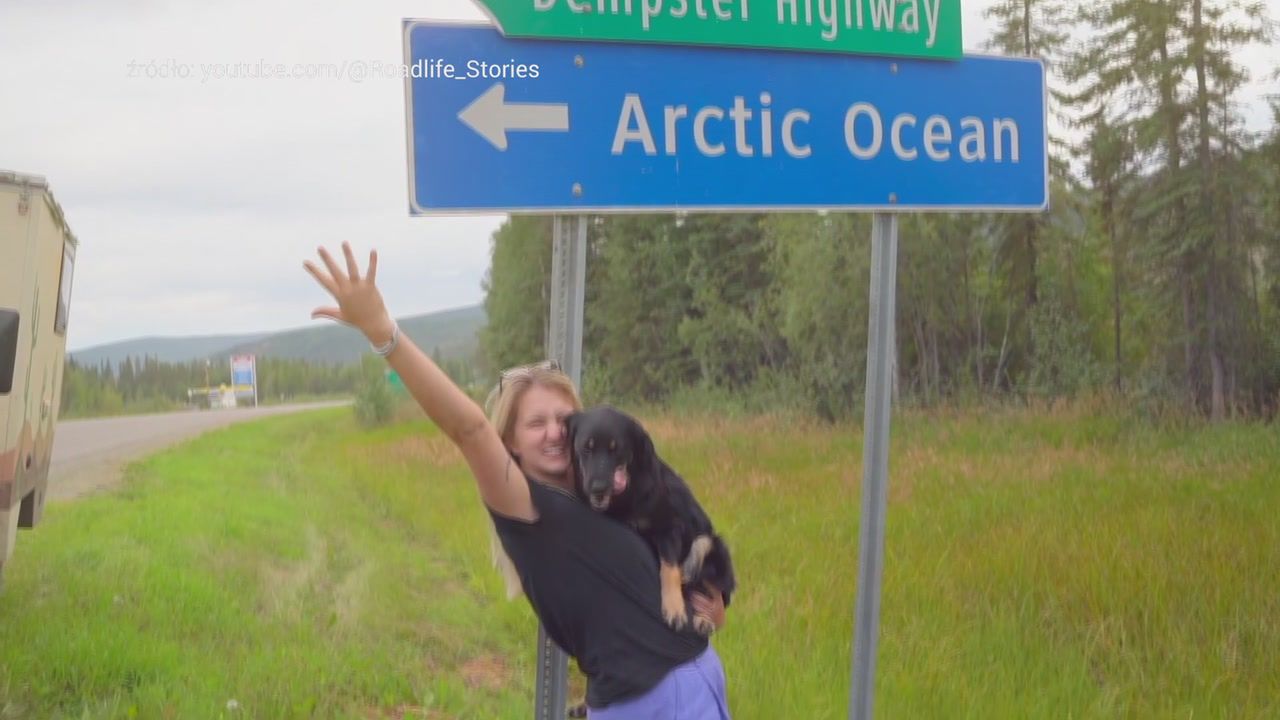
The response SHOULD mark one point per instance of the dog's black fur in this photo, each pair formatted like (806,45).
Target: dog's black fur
(656,502)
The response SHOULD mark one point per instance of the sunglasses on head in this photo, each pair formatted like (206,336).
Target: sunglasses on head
(525,370)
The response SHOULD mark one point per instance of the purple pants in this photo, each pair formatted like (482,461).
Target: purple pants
(693,691)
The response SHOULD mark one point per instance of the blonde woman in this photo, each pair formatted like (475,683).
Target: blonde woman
(592,582)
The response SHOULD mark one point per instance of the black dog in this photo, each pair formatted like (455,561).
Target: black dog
(618,472)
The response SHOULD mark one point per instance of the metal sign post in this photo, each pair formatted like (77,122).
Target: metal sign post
(568,288)
(875,461)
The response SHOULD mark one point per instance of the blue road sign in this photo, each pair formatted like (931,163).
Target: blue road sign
(505,125)
(244,375)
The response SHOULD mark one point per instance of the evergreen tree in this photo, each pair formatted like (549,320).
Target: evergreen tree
(517,293)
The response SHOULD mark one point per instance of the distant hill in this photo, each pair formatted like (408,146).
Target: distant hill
(164,349)
(453,332)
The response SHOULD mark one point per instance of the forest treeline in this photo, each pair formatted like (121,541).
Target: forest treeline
(1155,275)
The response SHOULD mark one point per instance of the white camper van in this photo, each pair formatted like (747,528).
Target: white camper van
(37,259)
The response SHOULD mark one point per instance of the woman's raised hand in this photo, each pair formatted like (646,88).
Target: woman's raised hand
(359,302)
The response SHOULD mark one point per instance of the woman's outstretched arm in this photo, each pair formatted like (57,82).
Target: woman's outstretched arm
(360,305)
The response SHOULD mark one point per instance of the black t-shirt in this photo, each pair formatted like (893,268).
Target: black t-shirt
(593,583)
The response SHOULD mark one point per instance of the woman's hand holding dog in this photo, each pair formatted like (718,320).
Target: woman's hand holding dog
(711,607)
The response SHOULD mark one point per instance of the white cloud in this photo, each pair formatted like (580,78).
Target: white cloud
(197,199)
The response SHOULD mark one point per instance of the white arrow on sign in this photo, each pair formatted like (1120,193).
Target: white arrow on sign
(492,116)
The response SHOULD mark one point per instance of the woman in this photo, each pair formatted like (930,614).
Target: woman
(592,582)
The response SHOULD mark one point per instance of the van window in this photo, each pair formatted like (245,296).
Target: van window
(64,289)
(8,348)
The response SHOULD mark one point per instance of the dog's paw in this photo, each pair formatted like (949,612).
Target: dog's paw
(673,610)
(703,625)
(578,711)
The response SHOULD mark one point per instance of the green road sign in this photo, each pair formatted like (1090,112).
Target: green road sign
(909,28)
(397,385)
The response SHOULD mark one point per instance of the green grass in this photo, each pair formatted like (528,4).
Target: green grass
(1049,565)
(289,566)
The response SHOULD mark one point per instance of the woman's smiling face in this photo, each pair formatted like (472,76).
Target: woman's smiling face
(540,440)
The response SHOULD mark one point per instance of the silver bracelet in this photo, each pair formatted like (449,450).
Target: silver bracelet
(385,350)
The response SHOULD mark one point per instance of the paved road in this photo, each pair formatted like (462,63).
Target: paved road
(89,455)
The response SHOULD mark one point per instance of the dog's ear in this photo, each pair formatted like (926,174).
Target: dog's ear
(570,424)
(644,458)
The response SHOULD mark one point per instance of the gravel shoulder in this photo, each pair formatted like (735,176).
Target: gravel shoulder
(89,456)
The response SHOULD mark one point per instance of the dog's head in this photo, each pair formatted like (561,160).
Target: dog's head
(610,450)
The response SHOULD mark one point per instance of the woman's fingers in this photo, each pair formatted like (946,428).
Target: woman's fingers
(359,303)
(338,278)
(332,313)
(353,271)
(321,277)
(710,608)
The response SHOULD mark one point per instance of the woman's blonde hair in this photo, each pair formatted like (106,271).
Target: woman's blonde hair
(501,406)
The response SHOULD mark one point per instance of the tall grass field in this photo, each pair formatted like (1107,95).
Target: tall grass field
(1064,564)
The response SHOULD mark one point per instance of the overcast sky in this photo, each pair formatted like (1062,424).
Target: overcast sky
(196,201)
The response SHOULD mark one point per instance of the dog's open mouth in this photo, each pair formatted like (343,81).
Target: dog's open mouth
(600,499)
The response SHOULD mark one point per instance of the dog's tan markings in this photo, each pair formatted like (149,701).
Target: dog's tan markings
(693,561)
(673,610)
